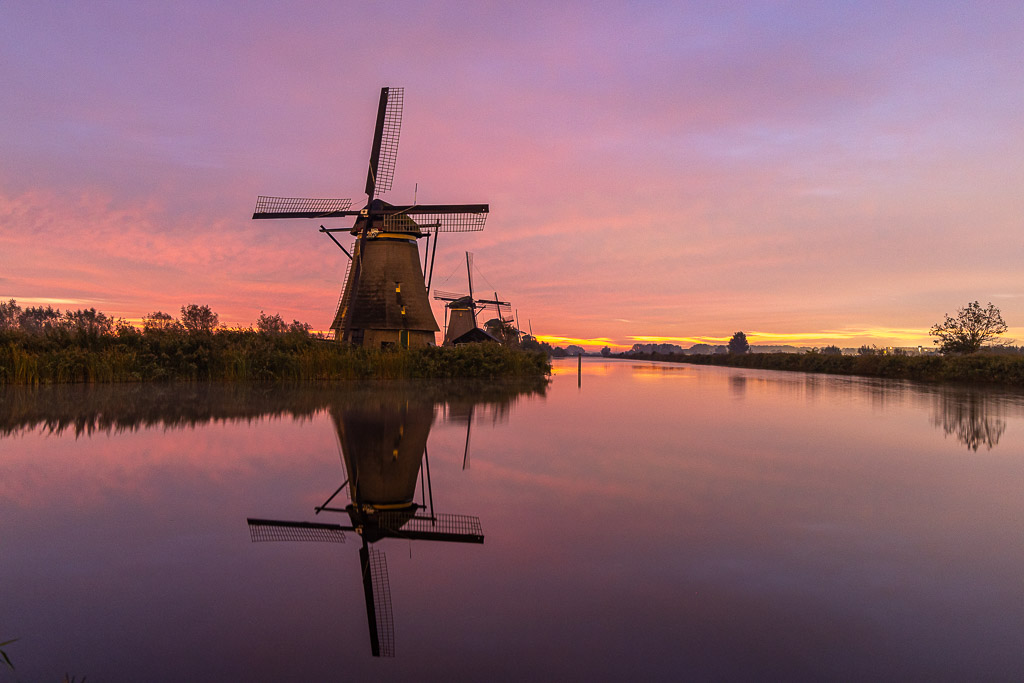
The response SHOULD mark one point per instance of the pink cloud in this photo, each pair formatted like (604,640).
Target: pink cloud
(693,170)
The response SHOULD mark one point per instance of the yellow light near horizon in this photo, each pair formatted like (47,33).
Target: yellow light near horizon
(555,340)
(848,337)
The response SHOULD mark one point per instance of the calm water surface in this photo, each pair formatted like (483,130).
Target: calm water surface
(657,522)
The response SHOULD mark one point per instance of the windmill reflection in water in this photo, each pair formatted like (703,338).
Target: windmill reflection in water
(384,450)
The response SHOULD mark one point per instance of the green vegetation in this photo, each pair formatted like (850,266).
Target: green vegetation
(975,367)
(42,345)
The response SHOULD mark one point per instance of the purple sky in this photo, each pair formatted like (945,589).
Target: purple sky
(816,172)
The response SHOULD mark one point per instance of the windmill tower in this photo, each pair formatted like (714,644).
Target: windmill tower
(461,324)
(384,298)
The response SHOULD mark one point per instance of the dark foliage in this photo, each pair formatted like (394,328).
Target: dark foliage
(972,328)
(198,319)
(739,343)
(86,346)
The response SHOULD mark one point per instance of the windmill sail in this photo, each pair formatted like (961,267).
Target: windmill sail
(280,530)
(437,527)
(384,152)
(377,592)
(433,218)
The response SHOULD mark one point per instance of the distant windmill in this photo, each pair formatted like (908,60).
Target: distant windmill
(384,450)
(461,319)
(384,298)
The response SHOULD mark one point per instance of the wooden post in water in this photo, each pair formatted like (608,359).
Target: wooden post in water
(579,370)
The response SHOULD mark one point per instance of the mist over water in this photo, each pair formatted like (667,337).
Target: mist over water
(643,520)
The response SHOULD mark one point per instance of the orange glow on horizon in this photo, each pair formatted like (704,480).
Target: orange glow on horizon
(850,337)
(555,340)
(853,337)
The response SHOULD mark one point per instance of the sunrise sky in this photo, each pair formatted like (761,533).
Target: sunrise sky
(807,172)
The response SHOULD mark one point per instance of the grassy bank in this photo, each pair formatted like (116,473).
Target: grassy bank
(975,367)
(130,355)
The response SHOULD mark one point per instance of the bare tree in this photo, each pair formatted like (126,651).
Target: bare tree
(972,327)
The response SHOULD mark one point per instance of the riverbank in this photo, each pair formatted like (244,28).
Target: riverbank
(981,367)
(244,355)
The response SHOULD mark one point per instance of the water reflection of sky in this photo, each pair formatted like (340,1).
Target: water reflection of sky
(652,523)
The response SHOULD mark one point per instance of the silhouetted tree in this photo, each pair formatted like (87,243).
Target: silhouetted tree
(738,343)
(530,343)
(271,324)
(39,320)
(972,327)
(88,322)
(866,350)
(9,314)
(832,350)
(606,352)
(198,319)
(158,320)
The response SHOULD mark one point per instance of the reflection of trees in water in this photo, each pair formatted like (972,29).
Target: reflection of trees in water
(974,418)
(85,409)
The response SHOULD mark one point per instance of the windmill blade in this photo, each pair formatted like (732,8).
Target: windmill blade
(280,530)
(416,209)
(437,221)
(465,454)
(301,207)
(377,593)
(441,295)
(384,152)
(443,527)
(491,302)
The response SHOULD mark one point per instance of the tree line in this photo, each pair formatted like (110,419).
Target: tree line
(88,322)
(969,346)
(43,345)
(972,329)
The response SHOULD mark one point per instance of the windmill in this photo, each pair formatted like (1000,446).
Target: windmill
(383,443)
(461,325)
(383,300)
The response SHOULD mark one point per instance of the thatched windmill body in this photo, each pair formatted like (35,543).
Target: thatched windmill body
(384,298)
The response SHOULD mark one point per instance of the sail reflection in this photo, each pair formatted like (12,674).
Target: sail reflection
(382,437)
